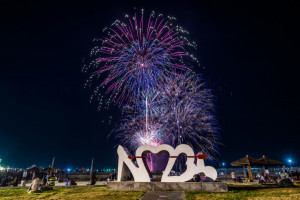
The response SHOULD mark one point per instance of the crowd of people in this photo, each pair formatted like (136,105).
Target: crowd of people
(10,178)
(265,177)
(41,180)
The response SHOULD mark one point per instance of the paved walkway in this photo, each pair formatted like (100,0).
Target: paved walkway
(158,195)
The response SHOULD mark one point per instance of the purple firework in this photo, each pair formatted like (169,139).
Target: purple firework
(184,114)
(188,115)
(140,56)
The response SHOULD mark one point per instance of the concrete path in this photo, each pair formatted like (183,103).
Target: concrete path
(158,195)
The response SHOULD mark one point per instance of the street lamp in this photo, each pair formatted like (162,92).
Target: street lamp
(290,161)
(223,164)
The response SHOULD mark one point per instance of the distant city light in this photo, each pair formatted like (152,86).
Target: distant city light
(223,164)
(69,169)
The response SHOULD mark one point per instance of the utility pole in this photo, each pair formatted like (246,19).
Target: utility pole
(53,162)
(92,168)
(92,178)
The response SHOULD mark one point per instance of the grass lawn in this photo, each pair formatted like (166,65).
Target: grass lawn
(250,192)
(238,192)
(82,192)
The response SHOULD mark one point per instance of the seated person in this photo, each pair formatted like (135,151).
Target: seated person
(262,179)
(15,182)
(4,182)
(72,182)
(35,185)
(23,182)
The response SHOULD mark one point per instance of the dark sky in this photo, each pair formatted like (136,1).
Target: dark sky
(249,55)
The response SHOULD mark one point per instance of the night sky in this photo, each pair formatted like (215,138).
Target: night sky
(249,56)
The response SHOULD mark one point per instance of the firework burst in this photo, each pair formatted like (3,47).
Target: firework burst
(184,114)
(139,56)
(188,115)
(143,66)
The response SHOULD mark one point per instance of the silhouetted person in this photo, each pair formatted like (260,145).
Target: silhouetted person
(72,182)
(4,182)
(44,180)
(15,182)
(196,178)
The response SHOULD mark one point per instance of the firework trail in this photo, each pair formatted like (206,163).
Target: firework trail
(138,125)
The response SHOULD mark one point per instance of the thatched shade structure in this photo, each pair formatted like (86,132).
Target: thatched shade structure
(33,169)
(247,161)
(268,162)
(48,169)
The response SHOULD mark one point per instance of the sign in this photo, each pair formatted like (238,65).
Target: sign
(140,173)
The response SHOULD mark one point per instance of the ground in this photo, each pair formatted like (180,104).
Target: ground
(249,192)
(81,192)
(254,192)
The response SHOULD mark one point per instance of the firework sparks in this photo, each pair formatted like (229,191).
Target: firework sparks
(143,65)
(139,56)
(188,115)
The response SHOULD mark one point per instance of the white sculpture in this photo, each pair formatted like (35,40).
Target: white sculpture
(140,173)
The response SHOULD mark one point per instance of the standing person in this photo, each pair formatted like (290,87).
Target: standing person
(23,182)
(67,182)
(233,177)
(44,180)
(267,174)
(283,175)
(52,181)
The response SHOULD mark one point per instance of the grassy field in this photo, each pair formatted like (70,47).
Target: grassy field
(251,192)
(82,192)
(254,192)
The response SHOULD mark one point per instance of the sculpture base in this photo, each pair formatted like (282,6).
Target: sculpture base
(168,186)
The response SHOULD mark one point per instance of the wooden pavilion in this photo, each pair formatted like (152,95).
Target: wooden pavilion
(247,161)
(48,169)
(34,169)
(268,162)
